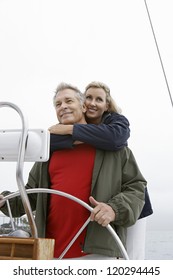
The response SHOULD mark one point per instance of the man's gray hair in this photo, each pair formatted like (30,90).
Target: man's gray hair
(62,86)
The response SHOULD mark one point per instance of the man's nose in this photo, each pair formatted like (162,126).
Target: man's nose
(63,105)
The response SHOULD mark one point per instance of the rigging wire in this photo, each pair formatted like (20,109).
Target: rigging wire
(164,73)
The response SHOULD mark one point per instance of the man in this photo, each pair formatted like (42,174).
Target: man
(106,129)
(110,181)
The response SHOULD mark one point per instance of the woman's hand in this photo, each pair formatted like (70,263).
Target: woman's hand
(61,129)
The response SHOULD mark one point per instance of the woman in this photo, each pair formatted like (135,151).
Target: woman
(107,129)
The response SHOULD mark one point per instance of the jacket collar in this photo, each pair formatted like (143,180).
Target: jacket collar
(105,116)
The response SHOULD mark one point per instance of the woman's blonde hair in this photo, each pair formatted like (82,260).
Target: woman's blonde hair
(112,106)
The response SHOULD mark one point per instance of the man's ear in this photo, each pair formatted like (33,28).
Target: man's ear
(84,108)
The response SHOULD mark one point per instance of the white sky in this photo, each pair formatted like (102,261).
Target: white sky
(44,42)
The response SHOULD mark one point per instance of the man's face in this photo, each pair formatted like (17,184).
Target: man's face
(68,107)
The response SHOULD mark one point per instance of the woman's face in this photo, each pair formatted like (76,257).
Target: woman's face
(96,105)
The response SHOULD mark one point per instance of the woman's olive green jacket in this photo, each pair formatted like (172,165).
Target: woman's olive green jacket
(116,180)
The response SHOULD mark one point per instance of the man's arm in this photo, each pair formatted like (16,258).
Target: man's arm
(16,203)
(129,202)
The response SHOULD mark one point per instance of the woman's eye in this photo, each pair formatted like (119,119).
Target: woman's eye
(99,99)
(88,97)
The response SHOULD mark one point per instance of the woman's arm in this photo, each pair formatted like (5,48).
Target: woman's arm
(60,142)
(129,203)
(112,134)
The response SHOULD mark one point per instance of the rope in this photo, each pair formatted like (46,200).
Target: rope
(164,73)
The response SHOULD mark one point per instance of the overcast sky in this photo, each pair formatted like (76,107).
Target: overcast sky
(44,42)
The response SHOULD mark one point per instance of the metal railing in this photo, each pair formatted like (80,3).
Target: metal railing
(20,165)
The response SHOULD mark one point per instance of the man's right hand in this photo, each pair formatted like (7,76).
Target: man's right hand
(1,200)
